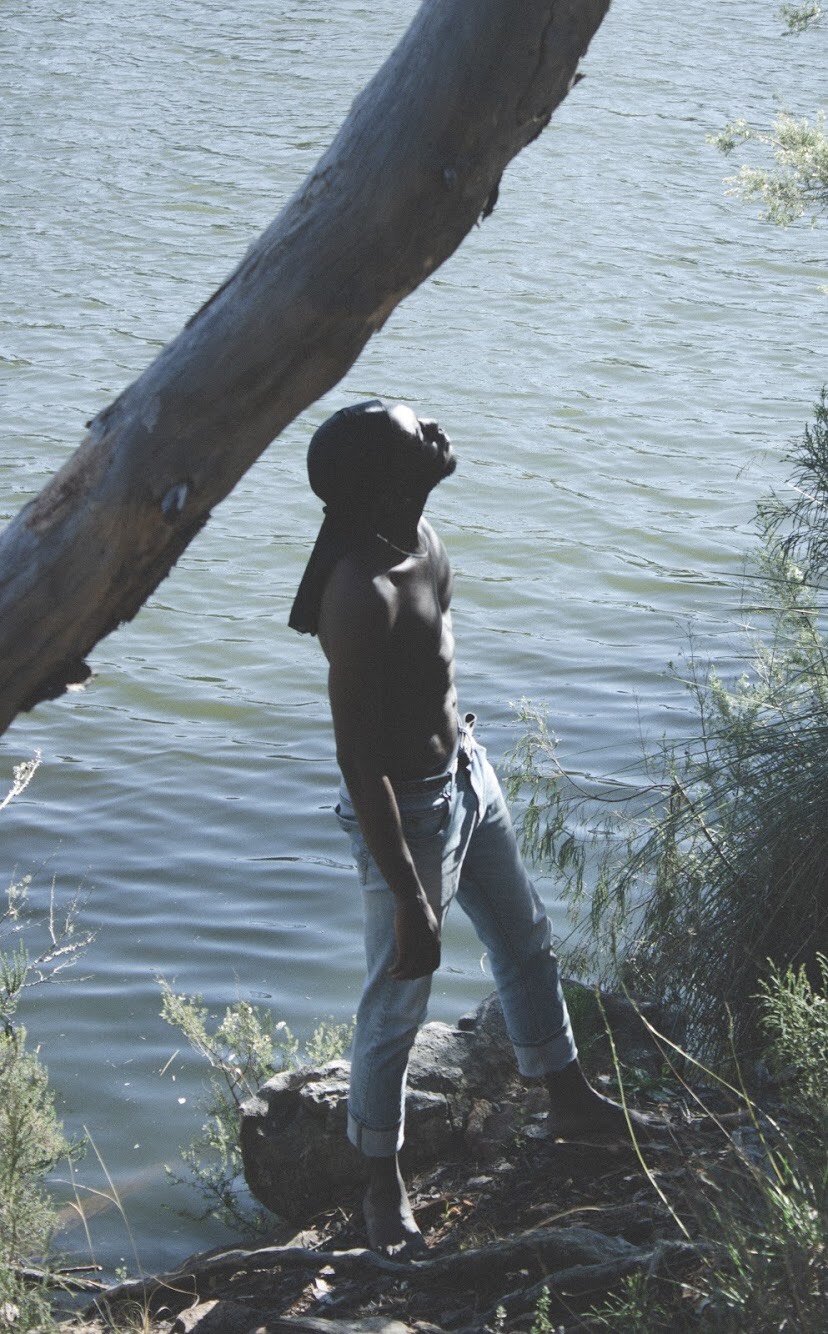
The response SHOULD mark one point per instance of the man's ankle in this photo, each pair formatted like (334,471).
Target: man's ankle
(569,1085)
(392,1229)
(384,1177)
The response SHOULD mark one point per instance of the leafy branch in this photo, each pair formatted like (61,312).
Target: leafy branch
(798,182)
(798,18)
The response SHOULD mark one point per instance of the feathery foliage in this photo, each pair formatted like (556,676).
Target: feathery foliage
(242,1051)
(687,888)
(799,17)
(764,1214)
(797,181)
(31,1137)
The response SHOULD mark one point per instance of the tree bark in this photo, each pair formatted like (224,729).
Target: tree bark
(416,164)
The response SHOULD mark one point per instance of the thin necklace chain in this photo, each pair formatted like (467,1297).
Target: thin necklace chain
(418,555)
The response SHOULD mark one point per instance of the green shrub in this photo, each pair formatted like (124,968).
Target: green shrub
(686,888)
(762,1210)
(771,1224)
(31,1137)
(243,1050)
(795,1019)
(31,1143)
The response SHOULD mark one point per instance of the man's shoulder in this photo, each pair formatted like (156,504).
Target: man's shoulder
(431,535)
(357,579)
(357,602)
(440,563)
(434,542)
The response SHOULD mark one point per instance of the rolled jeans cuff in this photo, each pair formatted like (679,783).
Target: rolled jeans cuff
(547,1058)
(374,1143)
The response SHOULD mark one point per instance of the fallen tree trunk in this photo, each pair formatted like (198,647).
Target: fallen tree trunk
(416,164)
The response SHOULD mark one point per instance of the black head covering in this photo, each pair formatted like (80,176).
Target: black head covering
(349,458)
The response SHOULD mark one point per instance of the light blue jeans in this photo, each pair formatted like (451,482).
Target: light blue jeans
(463,844)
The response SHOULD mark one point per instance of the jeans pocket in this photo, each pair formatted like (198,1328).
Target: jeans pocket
(349,824)
(430,822)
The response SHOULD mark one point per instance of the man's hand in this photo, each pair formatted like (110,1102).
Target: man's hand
(418,940)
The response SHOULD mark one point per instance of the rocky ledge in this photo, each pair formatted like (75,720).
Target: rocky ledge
(507,1211)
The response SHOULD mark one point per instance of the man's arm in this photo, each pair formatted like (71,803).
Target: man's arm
(355,626)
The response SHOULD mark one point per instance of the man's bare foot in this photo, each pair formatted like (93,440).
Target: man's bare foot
(392,1231)
(577,1111)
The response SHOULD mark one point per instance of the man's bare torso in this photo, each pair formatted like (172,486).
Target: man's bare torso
(415,699)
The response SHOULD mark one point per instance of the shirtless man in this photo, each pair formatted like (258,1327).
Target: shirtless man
(419,799)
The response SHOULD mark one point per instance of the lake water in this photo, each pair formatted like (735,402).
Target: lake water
(622,355)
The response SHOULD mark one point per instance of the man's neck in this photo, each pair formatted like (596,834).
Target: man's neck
(402,534)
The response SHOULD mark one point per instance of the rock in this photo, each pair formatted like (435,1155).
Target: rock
(304,1324)
(294,1148)
(297,1160)
(218,1317)
(227,1317)
(491,1050)
(634,1043)
(489,1130)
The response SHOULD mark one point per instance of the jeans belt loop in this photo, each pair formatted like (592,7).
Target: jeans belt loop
(466,741)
